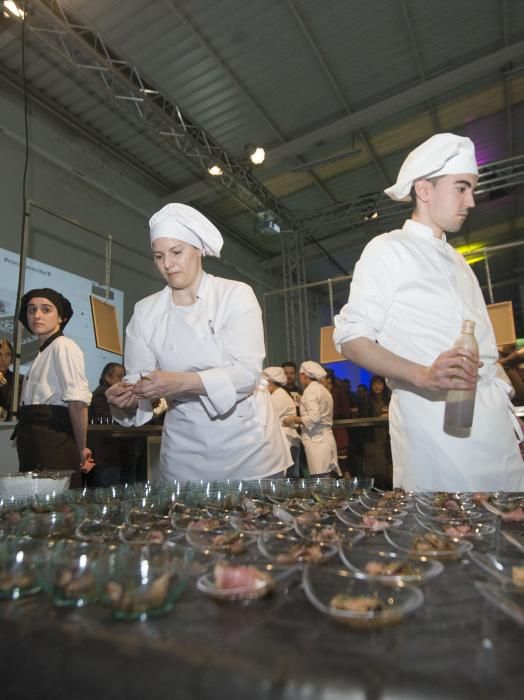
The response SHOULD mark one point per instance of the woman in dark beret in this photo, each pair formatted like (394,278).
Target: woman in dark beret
(52,427)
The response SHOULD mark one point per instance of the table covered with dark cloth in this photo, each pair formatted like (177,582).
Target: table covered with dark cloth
(455,646)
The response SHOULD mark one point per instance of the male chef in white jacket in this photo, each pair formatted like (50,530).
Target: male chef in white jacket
(409,295)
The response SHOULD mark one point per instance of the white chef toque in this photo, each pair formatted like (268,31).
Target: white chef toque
(186,224)
(313,369)
(442,154)
(275,375)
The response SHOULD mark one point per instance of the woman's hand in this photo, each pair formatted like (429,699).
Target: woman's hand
(86,460)
(121,395)
(290,421)
(158,384)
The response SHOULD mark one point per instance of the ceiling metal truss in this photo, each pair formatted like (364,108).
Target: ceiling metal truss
(83,46)
(498,176)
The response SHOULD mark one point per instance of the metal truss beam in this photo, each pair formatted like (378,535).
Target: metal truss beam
(504,174)
(83,46)
(295,297)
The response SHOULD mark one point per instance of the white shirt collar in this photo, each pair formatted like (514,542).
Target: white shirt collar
(423,231)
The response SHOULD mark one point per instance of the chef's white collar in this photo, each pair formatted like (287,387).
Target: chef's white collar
(422,230)
(203,286)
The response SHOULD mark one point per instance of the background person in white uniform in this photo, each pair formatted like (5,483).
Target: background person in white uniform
(284,406)
(51,432)
(316,419)
(199,343)
(410,293)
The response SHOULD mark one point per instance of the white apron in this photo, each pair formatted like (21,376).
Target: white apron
(316,410)
(418,442)
(284,406)
(245,442)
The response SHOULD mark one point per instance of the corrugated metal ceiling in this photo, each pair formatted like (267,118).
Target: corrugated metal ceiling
(274,70)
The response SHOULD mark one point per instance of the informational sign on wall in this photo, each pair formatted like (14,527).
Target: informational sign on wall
(77,289)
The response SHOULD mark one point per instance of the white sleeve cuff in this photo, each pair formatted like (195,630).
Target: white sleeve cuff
(351,330)
(144,413)
(221,394)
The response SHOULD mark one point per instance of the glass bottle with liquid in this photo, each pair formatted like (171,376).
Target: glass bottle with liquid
(460,404)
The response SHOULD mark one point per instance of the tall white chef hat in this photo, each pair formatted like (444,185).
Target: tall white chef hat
(313,369)
(442,154)
(275,375)
(186,224)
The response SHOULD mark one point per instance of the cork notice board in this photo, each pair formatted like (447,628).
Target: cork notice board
(327,349)
(503,321)
(105,323)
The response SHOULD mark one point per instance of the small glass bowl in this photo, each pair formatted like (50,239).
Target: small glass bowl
(373,604)
(508,600)
(19,562)
(138,536)
(508,507)
(52,526)
(332,493)
(146,582)
(330,532)
(228,541)
(445,500)
(279,490)
(443,514)
(364,562)
(249,524)
(202,521)
(462,527)
(361,485)
(369,524)
(244,582)
(288,549)
(73,573)
(97,531)
(376,499)
(359,509)
(507,570)
(150,511)
(406,541)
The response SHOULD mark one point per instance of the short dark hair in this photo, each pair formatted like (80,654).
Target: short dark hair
(412,192)
(6,343)
(289,364)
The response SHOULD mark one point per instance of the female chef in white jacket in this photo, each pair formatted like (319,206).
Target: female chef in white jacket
(316,419)
(199,343)
(284,406)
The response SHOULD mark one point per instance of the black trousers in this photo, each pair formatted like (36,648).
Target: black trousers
(44,440)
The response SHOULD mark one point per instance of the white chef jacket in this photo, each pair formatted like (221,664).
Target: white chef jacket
(316,411)
(233,431)
(285,406)
(410,292)
(57,376)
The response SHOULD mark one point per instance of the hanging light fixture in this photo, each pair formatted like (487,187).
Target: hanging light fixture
(215,170)
(11,9)
(256,154)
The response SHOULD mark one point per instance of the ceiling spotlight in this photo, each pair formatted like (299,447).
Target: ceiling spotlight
(11,9)
(215,170)
(256,154)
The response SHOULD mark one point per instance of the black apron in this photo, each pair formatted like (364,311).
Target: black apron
(44,437)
